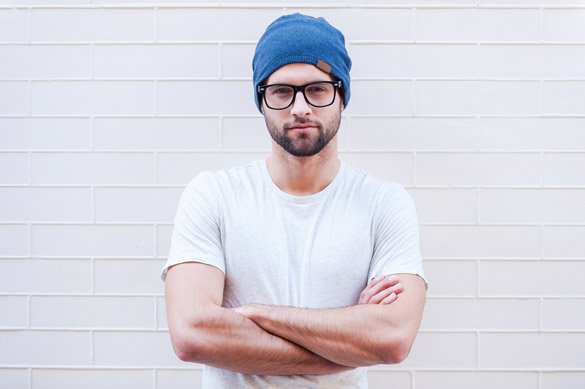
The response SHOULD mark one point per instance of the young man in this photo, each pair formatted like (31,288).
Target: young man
(297,270)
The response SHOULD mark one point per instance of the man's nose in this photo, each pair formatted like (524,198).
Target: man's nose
(300,105)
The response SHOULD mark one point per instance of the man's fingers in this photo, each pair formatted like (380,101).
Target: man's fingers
(389,299)
(377,286)
(364,295)
(379,297)
(381,284)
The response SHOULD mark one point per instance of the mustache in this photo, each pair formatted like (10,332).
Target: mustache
(303,122)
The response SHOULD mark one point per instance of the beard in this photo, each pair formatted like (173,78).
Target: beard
(303,144)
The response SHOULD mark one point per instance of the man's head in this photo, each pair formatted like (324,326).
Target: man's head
(299,38)
(301,80)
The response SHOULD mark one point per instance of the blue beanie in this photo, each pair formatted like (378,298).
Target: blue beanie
(300,38)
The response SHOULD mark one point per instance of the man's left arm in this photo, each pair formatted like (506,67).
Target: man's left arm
(359,335)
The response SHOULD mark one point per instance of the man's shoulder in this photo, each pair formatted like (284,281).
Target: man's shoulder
(358,177)
(229,176)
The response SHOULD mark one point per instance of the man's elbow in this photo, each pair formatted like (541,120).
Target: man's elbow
(187,349)
(190,342)
(396,349)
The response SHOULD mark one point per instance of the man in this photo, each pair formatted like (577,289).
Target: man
(297,270)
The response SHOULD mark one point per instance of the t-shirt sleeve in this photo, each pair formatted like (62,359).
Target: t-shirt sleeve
(396,241)
(196,233)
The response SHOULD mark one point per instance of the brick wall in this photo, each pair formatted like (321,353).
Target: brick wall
(107,110)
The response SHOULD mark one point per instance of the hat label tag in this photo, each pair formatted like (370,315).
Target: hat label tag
(324,66)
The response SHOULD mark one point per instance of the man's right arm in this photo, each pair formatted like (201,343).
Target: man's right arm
(203,331)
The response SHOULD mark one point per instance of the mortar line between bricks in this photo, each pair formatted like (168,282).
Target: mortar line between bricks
(478,278)
(155,23)
(29,25)
(220,61)
(155,88)
(94,329)
(29,172)
(91,348)
(156,158)
(264,150)
(478,206)
(28,97)
(358,116)
(156,309)
(477,61)
(91,61)
(93,203)
(413,28)
(542,232)
(102,295)
(155,237)
(418,42)
(91,136)
(541,24)
(28,307)
(347,5)
(478,350)
(410,42)
(92,292)
(220,134)
(540,310)
(148,295)
(208,79)
(541,98)
(412,375)
(169,222)
(29,239)
(413,98)
(189,368)
(415,155)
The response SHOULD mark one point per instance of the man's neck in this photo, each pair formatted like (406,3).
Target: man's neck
(303,176)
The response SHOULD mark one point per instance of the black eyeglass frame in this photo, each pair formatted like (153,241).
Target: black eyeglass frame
(300,88)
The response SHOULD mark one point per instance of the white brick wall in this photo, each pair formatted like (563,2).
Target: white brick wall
(108,108)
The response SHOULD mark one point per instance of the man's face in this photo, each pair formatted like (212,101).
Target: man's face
(301,129)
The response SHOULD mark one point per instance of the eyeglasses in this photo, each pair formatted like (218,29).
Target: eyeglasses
(281,96)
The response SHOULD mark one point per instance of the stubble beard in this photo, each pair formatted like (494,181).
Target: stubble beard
(303,144)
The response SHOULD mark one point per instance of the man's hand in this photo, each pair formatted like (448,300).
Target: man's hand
(382,290)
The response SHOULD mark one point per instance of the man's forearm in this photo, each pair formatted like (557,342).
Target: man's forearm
(359,335)
(230,341)
(345,336)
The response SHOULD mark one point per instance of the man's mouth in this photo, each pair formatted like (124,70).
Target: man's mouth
(302,127)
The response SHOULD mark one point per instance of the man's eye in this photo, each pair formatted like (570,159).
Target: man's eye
(317,89)
(281,91)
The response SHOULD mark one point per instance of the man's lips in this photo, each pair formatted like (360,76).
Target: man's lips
(302,127)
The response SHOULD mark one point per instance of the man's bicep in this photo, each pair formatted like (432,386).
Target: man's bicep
(190,288)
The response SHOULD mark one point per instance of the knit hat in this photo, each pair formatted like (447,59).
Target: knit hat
(300,38)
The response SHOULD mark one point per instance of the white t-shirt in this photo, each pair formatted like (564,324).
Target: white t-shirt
(316,251)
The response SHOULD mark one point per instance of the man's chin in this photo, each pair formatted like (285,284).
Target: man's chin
(303,150)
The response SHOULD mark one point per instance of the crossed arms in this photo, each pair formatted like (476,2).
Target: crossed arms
(276,340)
